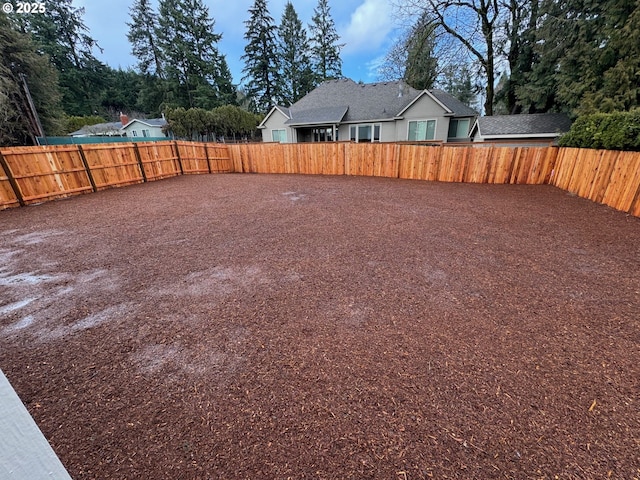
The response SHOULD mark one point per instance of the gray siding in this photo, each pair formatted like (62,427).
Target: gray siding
(277,122)
(425,108)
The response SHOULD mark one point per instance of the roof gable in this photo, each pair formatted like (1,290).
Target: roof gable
(343,100)
(276,108)
(150,122)
(373,101)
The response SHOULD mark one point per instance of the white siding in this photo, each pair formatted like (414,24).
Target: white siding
(139,126)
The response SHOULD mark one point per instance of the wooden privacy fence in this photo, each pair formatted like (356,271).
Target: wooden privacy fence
(34,174)
(474,164)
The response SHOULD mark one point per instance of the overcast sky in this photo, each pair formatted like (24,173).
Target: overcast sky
(366,28)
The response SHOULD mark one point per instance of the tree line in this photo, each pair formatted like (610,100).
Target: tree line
(524,56)
(50,60)
(517,56)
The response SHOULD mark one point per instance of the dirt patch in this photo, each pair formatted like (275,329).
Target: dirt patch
(255,326)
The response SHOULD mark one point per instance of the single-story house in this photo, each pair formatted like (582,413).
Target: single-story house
(342,109)
(108,129)
(151,127)
(521,129)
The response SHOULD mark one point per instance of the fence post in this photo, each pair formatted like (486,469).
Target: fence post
(12,180)
(175,145)
(87,169)
(139,158)
(206,153)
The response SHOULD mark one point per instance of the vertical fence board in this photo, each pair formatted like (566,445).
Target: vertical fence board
(113,165)
(624,181)
(8,195)
(193,157)
(44,173)
(158,160)
(219,157)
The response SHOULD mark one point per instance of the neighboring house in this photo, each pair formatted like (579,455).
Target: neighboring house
(522,129)
(124,128)
(109,129)
(377,112)
(145,128)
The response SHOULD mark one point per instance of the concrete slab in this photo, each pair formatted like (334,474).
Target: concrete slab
(25,453)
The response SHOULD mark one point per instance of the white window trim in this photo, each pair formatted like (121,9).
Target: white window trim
(279,130)
(435,128)
(373,131)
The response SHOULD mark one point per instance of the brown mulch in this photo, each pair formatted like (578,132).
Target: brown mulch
(256,326)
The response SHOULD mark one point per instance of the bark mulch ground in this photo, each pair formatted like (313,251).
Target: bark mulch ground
(255,326)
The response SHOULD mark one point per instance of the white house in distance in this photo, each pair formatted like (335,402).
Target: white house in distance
(136,128)
(377,112)
(151,127)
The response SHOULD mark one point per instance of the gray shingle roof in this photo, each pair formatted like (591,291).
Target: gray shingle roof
(458,108)
(152,122)
(317,115)
(98,128)
(362,102)
(533,124)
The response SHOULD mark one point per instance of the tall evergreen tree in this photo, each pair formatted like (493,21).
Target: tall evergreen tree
(20,64)
(519,43)
(586,57)
(293,50)
(421,68)
(197,74)
(261,59)
(142,36)
(325,46)
(61,33)
(458,81)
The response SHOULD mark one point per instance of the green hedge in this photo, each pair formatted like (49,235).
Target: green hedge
(610,131)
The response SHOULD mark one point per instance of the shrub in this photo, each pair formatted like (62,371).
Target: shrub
(610,131)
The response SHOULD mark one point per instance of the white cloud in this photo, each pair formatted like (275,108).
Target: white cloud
(368,28)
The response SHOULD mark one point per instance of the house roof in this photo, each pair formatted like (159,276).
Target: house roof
(344,101)
(98,129)
(151,122)
(322,115)
(537,124)
(458,108)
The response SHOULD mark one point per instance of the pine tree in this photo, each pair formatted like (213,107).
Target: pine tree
(421,66)
(197,74)
(295,65)
(19,64)
(142,36)
(261,60)
(61,33)
(325,49)
(586,57)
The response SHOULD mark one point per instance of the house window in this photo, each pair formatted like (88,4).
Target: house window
(459,128)
(365,132)
(145,133)
(134,133)
(422,130)
(279,135)
(323,134)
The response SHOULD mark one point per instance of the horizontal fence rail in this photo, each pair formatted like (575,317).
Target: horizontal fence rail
(35,174)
